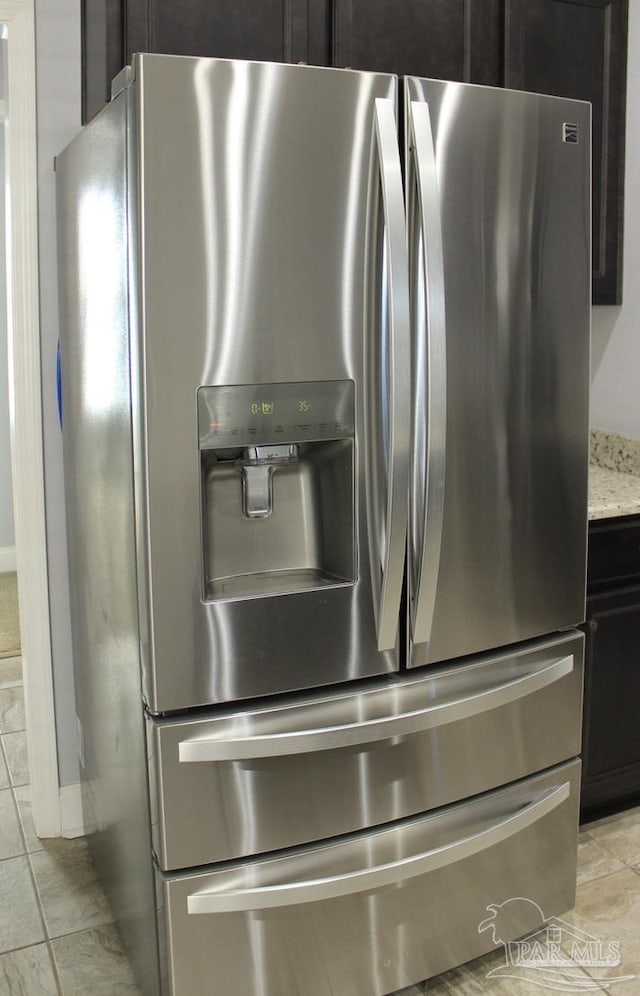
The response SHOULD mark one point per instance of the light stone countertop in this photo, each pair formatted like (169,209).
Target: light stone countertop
(614,475)
(612,492)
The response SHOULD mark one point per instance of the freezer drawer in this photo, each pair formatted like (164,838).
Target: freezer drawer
(381,910)
(243,783)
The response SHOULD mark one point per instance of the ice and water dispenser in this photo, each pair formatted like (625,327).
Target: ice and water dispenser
(277,478)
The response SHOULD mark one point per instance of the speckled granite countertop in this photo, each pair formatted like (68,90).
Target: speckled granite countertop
(614,475)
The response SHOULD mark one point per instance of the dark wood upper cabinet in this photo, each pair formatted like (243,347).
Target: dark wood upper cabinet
(102,40)
(261,30)
(578,48)
(443,39)
(571,48)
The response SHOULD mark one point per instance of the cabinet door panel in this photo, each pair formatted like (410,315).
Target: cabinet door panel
(611,737)
(614,553)
(578,49)
(102,52)
(442,39)
(261,30)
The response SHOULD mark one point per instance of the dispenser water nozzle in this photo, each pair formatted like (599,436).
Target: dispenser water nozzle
(257,469)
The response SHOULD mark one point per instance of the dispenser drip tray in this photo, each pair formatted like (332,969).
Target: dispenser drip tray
(271,583)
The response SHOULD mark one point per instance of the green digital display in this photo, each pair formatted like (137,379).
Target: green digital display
(267,407)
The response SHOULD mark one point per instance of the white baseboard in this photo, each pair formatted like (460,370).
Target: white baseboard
(7,559)
(71,819)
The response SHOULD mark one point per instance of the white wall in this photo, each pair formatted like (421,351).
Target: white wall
(7,539)
(615,356)
(58,109)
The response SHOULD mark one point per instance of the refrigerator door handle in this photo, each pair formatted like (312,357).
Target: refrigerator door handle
(389,353)
(366,879)
(429,373)
(284,742)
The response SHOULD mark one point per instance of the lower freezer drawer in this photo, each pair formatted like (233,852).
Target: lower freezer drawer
(231,784)
(376,911)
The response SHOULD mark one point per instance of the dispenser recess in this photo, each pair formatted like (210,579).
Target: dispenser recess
(277,483)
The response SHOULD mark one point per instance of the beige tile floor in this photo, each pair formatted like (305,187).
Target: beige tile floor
(56,934)
(57,938)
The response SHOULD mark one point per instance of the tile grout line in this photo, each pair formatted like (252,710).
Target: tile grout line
(36,892)
(16,811)
(3,736)
(600,878)
(34,884)
(612,853)
(8,686)
(54,966)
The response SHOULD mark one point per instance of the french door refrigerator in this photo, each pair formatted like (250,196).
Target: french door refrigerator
(324,343)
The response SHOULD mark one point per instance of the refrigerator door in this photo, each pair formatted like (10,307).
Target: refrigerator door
(499,221)
(273,328)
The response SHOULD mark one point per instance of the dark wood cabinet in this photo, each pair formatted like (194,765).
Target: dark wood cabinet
(261,30)
(611,729)
(572,48)
(434,38)
(578,48)
(102,41)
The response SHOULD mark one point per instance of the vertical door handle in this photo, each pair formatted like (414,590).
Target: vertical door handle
(429,375)
(388,485)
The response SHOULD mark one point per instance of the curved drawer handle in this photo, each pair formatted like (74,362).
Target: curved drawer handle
(366,879)
(301,741)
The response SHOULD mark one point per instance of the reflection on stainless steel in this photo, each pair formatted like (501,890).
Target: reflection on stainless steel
(430,375)
(308,541)
(396,344)
(516,242)
(232,784)
(326,884)
(261,298)
(232,744)
(505,834)
(263,403)
(99,502)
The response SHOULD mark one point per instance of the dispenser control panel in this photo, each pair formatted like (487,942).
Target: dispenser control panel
(257,414)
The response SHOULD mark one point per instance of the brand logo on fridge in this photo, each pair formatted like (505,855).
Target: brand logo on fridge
(553,955)
(570,133)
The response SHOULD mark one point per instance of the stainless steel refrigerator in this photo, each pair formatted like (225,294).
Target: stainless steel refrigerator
(324,344)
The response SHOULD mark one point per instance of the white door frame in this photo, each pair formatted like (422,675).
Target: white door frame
(25,414)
